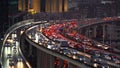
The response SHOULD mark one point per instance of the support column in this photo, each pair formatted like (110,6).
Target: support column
(30,51)
(44,60)
(94,31)
(87,32)
(104,33)
(70,65)
(61,63)
(51,61)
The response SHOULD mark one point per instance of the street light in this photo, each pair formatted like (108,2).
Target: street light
(103,36)
(110,34)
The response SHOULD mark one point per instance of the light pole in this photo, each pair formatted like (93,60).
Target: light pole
(103,36)
(110,34)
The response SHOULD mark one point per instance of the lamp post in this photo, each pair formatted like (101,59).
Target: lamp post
(110,34)
(103,36)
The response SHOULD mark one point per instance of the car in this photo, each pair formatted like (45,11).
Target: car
(55,47)
(95,65)
(106,47)
(95,59)
(99,45)
(63,43)
(14,49)
(11,62)
(103,65)
(50,46)
(80,58)
(7,44)
(73,51)
(115,59)
(107,56)
(66,52)
(19,59)
(9,56)
(95,53)
(63,47)
(79,47)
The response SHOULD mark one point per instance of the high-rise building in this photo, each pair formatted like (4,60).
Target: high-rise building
(3,16)
(36,6)
(12,5)
(95,8)
(118,7)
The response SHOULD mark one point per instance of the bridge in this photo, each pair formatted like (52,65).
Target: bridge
(56,44)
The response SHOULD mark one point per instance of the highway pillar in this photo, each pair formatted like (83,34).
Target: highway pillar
(94,31)
(44,60)
(70,65)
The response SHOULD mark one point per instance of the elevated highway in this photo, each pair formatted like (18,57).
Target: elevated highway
(30,25)
(97,42)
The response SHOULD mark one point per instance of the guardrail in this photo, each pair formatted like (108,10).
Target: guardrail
(10,30)
(28,22)
(55,53)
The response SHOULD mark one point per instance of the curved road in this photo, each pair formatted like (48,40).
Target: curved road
(12,51)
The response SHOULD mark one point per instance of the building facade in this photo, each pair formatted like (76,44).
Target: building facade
(95,8)
(12,5)
(43,5)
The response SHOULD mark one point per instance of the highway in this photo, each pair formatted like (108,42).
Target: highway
(51,32)
(11,56)
(54,34)
(54,38)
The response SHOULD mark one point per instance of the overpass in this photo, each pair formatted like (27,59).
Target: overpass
(31,25)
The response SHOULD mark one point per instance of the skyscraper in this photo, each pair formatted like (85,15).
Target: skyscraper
(12,5)
(43,5)
(95,8)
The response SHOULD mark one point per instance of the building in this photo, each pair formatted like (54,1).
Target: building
(36,6)
(12,5)
(3,16)
(95,8)
(108,33)
(118,10)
